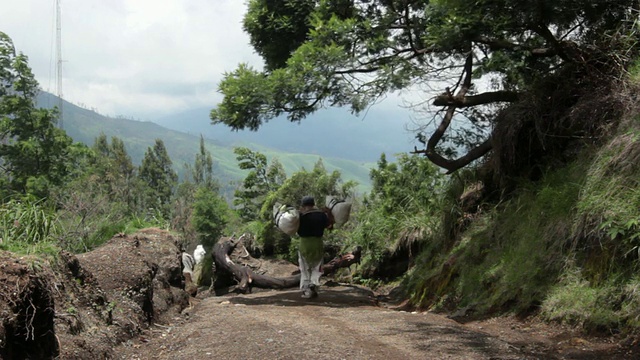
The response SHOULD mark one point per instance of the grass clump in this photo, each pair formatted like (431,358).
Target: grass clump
(607,234)
(29,227)
(608,306)
(599,289)
(575,302)
(509,256)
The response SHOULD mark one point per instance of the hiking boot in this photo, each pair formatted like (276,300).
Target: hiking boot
(314,291)
(307,294)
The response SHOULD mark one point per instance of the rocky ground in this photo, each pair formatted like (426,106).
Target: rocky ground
(125,300)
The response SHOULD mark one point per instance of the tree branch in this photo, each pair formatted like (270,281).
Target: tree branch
(453,165)
(502,44)
(468,70)
(247,278)
(447,99)
(546,34)
(436,137)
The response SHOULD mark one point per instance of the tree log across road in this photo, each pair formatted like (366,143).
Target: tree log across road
(247,278)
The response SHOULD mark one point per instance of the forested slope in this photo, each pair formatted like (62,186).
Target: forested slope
(85,126)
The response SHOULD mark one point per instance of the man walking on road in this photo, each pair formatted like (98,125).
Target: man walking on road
(313,221)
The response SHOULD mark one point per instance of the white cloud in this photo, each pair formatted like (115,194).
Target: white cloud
(138,58)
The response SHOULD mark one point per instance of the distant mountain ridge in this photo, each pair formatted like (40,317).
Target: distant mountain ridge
(328,133)
(86,125)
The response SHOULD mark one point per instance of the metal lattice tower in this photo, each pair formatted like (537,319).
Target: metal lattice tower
(59,63)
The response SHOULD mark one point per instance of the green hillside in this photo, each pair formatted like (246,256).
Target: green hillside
(85,125)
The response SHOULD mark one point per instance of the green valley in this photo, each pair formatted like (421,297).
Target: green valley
(85,125)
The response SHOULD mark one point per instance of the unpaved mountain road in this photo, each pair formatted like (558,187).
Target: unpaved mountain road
(346,322)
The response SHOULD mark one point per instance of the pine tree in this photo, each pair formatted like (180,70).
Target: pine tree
(35,154)
(259,182)
(156,171)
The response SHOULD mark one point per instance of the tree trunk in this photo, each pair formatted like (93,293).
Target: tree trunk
(248,279)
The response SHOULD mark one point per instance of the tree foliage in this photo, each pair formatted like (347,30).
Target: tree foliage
(317,183)
(117,173)
(351,53)
(276,40)
(402,208)
(35,154)
(157,172)
(262,179)
(210,215)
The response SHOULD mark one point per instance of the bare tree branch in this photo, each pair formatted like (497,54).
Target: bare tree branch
(447,99)
(546,34)
(453,165)
(502,44)
(436,137)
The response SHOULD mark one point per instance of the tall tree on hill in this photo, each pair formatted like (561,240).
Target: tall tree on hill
(156,171)
(262,179)
(202,171)
(199,211)
(34,153)
(353,52)
(113,165)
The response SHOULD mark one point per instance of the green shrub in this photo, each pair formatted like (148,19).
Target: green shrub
(210,216)
(28,227)
(402,210)
(508,256)
(27,221)
(577,303)
(608,228)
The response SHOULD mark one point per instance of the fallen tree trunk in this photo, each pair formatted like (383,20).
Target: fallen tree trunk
(247,278)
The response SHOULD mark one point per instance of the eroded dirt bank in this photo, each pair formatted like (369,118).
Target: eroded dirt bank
(82,307)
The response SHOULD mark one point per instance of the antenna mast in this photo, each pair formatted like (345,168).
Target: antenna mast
(59,62)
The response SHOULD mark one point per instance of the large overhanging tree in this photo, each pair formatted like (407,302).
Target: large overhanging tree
(321,53)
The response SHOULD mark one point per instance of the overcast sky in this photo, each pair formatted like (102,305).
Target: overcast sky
(139,58)
(142,59)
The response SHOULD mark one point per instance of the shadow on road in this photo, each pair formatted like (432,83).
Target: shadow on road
(342,296)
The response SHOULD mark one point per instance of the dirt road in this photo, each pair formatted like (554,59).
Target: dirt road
(346,322)
(104,300)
